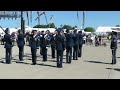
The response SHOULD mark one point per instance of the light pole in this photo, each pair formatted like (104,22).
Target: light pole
(83,20)
(22,23)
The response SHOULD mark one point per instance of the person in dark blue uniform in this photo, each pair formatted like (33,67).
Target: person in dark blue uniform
(41,35)
(27,38)
(80,44)
(48,38)
(60,47)
(33,45)
(113,46)
(20,43)
(38,40)
(52,42)
(69,45)
(43,45)
(8,46)
(76,44)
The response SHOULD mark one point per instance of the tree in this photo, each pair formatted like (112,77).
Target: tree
(74,27)
(89,29)
(67,27)
(117,26)
(51,25)
(40,26)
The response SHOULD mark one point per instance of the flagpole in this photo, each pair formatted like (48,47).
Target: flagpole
(31,18)
(22,22)
(38,20)
(83,19)
(78,17)
(27,17)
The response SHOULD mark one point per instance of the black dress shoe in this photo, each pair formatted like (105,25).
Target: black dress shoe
(113,63)
(67,62)
(21,60)
(58,66)
(8,63)
(53,57)
(44,61)
(61,67)
(33,64)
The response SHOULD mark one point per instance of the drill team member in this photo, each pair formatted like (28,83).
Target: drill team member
(60,47)
(8,46)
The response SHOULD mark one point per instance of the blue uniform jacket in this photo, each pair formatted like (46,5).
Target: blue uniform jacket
(114,42)
(76,39)
(43,41)
(80,39)
(20,40)
(8,40)
(60,42)
(69,40)
(33,41)
(52,40)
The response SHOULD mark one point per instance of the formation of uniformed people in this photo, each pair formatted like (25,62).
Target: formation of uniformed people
(72,42)
(59,41)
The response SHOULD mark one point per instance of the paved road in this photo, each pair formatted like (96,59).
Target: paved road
(95,64)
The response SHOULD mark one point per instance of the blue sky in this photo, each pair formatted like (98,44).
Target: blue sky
(92,19)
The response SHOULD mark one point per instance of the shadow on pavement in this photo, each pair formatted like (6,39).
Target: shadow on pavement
(97,62)
(46,65)
(2,62)
(36,64)
(116,69)
(2,58)
(54,61)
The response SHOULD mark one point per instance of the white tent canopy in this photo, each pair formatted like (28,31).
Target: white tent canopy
(28,29)
(107,29)
(103,29)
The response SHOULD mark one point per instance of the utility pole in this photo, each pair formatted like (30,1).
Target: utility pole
(83,20)
(22,23)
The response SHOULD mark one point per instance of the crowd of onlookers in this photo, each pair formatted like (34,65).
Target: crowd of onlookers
(96,40)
